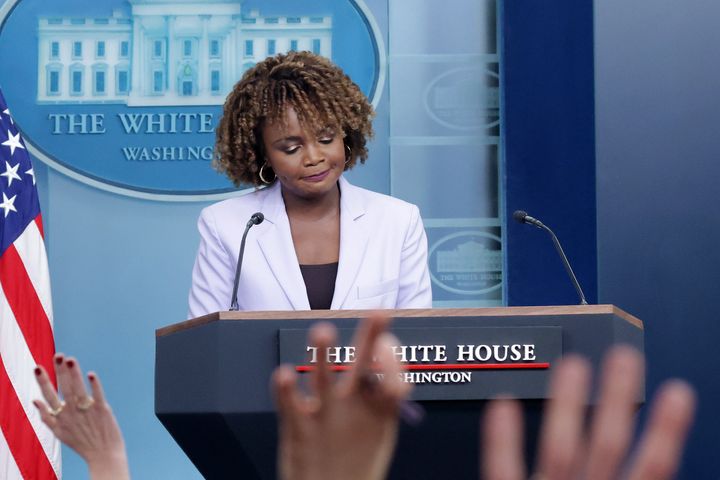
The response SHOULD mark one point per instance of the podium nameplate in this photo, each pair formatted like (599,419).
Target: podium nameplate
(450,363)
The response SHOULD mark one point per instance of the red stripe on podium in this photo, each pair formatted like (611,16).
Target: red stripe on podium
(446,366)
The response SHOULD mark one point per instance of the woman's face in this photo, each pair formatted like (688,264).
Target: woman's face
(308,165)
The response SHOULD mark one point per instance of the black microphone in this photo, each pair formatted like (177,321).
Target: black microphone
(522,217)
(256,219)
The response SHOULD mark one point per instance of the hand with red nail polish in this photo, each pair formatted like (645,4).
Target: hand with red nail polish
(82,422)
(345,428)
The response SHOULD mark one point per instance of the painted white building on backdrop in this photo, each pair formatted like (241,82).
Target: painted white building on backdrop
(168,52)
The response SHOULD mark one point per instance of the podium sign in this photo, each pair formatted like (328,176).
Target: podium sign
(461,363)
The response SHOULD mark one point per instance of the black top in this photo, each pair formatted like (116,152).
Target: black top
(320,284)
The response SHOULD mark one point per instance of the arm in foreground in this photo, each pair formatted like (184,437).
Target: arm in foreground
(568,452)
(346,427)
(82,422)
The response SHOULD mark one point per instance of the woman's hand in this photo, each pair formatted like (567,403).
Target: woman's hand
(82,422)
(346,427)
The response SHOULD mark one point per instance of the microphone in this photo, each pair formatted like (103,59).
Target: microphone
(256,219)
(523,217)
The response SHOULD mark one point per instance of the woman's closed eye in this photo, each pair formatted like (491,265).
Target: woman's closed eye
(326,136)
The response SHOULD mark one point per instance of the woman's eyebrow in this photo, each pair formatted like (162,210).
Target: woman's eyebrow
(288,139)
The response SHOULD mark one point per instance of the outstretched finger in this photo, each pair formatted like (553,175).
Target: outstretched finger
(63,377)
(364,342)
(613,422)
(662,443)
(46,388)
(287,397)
(561,434)
(76,387)
(322,336)
(389,389)
(98,392)
(502,430)
(45,415)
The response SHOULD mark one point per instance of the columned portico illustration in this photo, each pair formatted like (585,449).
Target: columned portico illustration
(166,52)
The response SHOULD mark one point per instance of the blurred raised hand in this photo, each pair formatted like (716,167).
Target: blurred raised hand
(602,451)
(82,421)
(344,427)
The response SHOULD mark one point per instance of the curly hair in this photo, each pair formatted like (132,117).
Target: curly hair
(321,94)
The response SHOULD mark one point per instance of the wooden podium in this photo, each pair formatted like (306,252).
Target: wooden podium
(212,378)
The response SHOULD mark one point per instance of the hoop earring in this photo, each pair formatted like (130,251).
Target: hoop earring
(262,178)
(349,153)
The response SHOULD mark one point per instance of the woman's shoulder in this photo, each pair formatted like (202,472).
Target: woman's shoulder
(237,207)
(374,201)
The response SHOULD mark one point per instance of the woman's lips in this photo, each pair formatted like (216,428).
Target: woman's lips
(317,177)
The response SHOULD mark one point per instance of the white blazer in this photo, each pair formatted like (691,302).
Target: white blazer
(383,255)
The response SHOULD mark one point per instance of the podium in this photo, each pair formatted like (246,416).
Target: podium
(212,377)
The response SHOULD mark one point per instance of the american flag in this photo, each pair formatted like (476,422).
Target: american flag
(28,449)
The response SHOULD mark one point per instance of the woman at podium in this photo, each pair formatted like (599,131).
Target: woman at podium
(291,126)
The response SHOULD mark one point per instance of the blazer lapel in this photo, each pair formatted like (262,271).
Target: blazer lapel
(279,251)
(354,238)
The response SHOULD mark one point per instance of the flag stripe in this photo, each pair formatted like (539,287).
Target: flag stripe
(31,249)
(19,366)
(38,222)
(8,467)
(25,446)
(28,310)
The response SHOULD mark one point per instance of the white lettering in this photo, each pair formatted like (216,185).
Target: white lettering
(496,352)
(157,121)
(206,123)
(96,123)
(194,153)
(499,353)
(131,153)
(186,117)
(77,123)
(529,352)
(465,353)
(479,353)
(333,355)
(131,121)
(435,377)
(399,351)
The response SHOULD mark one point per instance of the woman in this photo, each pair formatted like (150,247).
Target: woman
(294,123)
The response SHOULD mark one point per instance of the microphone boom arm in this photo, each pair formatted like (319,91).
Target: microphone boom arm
(564,259)
(522,217)
(256,219)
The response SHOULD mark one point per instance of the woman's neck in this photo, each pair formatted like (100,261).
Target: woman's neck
(312,209)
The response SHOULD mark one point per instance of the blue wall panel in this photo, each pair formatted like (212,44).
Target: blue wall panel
(547,70)
(658,118)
